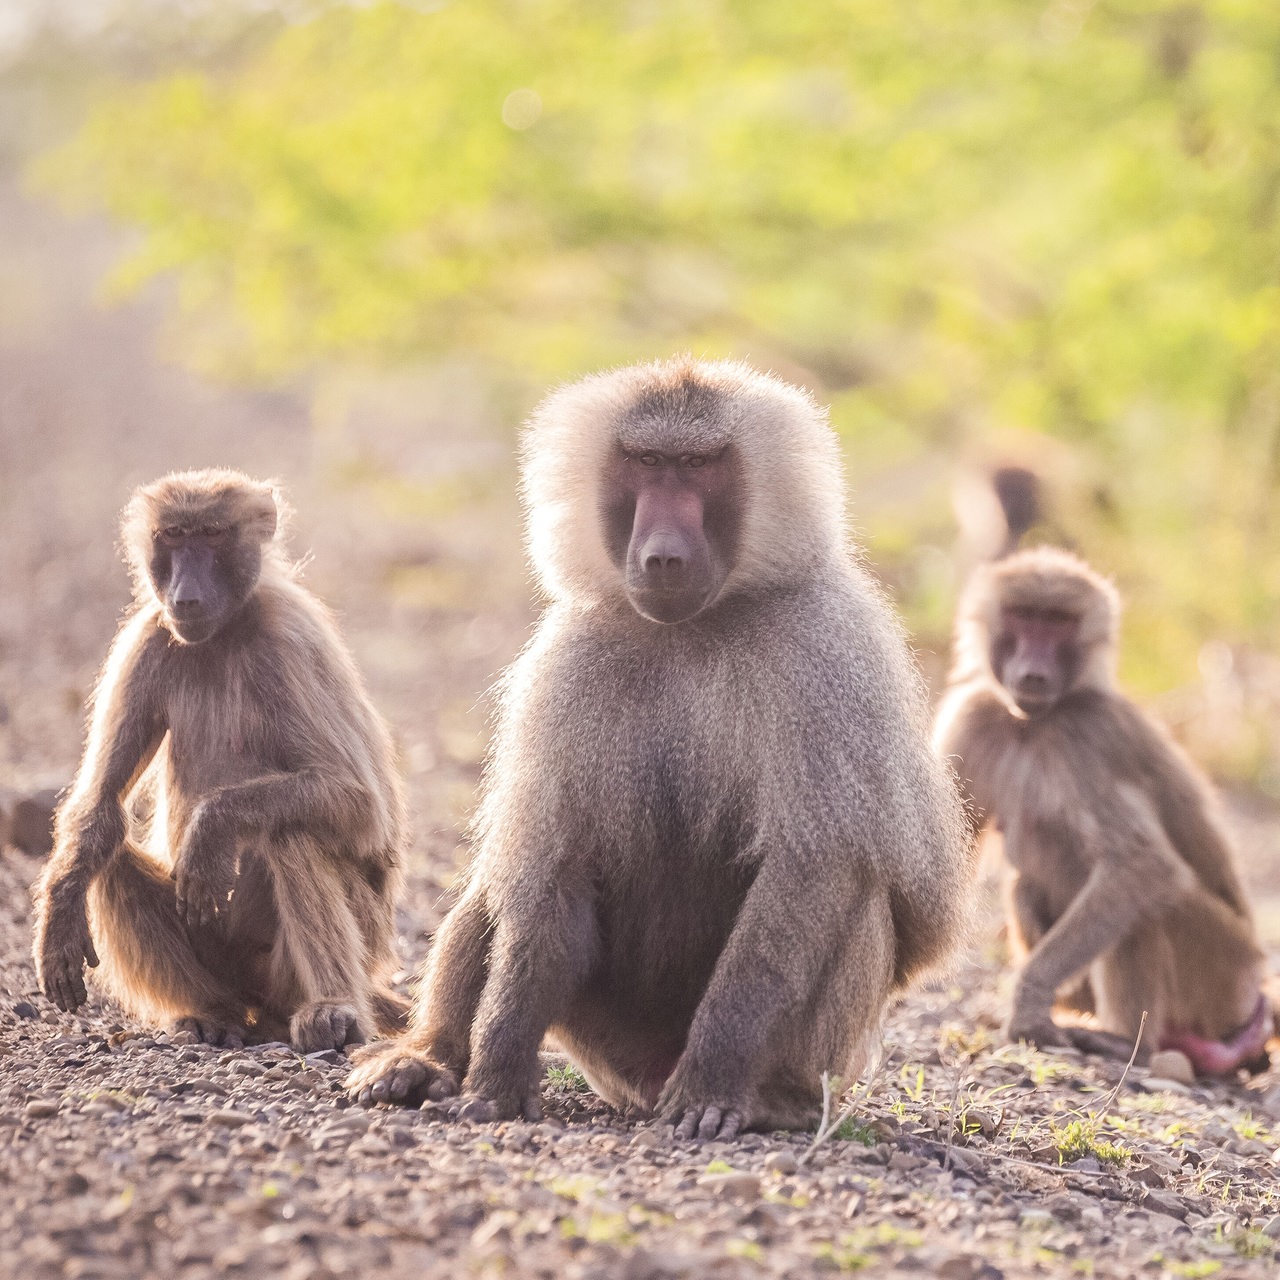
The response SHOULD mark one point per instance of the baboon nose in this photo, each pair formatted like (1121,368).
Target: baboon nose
(663,553)
(663,563)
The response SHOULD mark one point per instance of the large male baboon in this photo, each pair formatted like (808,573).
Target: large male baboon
(262,903)
(1122,874)
(713,839)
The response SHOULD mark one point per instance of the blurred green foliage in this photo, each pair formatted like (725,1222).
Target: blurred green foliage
(979,228)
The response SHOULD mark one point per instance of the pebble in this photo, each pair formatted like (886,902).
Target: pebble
(39,1110)
(1272,1227)
(229,1118)
(1164,1202)
(1170,1064)
(732,1186)
(24,1010)
(783,1162)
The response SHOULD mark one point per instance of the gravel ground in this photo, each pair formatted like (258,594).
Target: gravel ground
(124,1155)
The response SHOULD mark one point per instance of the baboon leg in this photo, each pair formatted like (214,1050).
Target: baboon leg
(431,1059)
(317,971)
(148,961)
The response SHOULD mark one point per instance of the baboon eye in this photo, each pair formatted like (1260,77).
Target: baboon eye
(649,459)
(171,534)
(213,532)
(695,460)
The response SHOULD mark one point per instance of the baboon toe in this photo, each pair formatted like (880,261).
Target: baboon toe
(392,1076)
(707,1123)
(324,1025)
(200,1030)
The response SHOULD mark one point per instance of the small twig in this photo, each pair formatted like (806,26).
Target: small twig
(951,1116)
(827,1126)
(1111,1097)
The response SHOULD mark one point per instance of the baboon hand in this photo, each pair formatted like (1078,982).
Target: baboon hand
(63,946)
(1040,1031)
(204,874)
(392,1073)
(483,1105)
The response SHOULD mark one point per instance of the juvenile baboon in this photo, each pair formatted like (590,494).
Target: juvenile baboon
(262,902)
(713,839)
(1122,877)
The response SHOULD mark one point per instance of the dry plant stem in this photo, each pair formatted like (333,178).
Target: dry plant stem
(1111,1097)
(951,1114)
(827,1126)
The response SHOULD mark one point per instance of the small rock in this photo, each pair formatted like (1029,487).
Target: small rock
(230,1119)
(732,1186)
(783,1162)
(39,1110)
(964,1266)
(247,1067)
(646,1137)
(904,1162)
(24,1010)
(328,1057)
(965,1160)
(1086,1164)
(987,1122)
(1272,1227)
(1171,1064)
(1165,1202)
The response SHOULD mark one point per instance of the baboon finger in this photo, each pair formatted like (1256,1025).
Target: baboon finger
(444,1086)
(688,1125)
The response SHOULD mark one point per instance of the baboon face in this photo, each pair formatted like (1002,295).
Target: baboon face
(1036,655)
(203,570)
(671,524)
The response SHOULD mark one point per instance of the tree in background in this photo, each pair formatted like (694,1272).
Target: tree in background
(981,228)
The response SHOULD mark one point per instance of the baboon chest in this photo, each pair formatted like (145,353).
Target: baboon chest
(222,725)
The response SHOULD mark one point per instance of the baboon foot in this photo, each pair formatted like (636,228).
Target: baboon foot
(324,1024)
(696,1118)
(487,1106)
(392,1073)
(197,1029)
(706,1123)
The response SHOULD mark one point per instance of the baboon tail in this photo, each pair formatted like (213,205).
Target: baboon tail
(390,1011)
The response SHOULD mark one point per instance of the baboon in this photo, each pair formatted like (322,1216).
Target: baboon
(712,838)
(257,897)
(1123,895)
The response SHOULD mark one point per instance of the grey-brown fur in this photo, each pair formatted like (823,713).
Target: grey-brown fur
(231,846)
(707,852)
(1123,895)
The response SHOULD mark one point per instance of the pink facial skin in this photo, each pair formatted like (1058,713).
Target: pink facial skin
(1221,1057)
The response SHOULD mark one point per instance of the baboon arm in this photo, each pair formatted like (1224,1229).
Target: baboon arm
(126,731)
(310,798)
(1129,882)
(205,866)
(791,922)
(970,734)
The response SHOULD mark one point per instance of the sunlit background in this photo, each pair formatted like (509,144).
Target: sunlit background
(353,243)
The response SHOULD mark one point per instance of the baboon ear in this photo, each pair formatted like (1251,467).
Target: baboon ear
(262,513)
